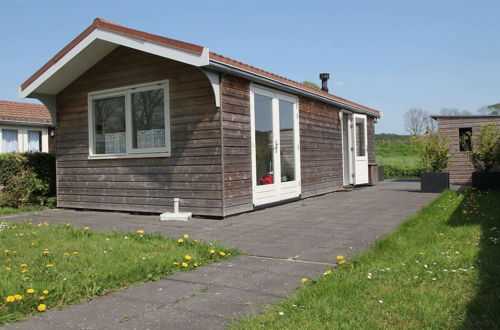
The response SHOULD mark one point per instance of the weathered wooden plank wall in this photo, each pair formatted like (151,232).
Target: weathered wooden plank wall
(320,147)
(460,167)
(193,172)
(236,133)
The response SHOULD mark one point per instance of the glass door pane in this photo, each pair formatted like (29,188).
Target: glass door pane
(287,141)
(360,137)
(264,149)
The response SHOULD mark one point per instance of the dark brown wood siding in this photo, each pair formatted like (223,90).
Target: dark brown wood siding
(460,167)
(320,147)
(237,144)
(371,139)
(193,172)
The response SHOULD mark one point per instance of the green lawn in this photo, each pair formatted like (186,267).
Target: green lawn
(399,158)
(75,264)
(10,210)
(438,270)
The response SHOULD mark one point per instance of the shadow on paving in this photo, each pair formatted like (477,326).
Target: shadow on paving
(483,311)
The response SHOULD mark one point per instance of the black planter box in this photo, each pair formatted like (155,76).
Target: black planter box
(484,181)
(435,182)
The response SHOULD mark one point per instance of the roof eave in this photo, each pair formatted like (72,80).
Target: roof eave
(252,76)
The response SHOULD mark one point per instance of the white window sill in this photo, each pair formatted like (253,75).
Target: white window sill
(126,156)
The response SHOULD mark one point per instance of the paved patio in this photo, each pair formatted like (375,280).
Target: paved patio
(282,244)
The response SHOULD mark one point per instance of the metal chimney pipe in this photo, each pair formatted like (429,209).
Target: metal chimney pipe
(324,81)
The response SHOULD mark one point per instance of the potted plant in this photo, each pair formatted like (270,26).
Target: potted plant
(484,154)
(434,150)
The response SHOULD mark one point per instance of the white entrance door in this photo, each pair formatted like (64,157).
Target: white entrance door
(275,146)
(360,149)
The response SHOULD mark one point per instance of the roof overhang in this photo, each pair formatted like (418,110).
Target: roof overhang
(94,44)
(296,88)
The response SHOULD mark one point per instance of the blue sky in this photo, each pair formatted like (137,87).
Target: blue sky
(389,55)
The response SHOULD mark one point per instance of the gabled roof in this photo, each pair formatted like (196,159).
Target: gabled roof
(23,112)
(103,36)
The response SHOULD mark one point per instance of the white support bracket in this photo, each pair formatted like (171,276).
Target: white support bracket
(214,78)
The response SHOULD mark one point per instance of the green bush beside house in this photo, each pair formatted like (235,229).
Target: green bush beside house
(27,179)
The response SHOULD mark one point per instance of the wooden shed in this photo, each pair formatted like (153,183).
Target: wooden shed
(142,119)
(456,127)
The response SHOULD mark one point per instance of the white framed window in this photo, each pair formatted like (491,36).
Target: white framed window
(34,140)
(10,140)
(130,122)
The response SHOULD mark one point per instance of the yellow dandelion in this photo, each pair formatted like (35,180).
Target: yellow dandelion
(41,298)
(33,243)
(196,241)
(341,262)
(8,268)
(41,307)
(180,240)
(185,264)
(140,231)
(10,299)
(340,257)
(23,265)
(39,225)
(304,279)
(18,297)
(46,251)
(49,265)
(45,291)
(75,253)
(327,272)
(222,253)
(68,225)
(212,251)
(65,254)
(33,233)
(24,270)
(46,224)
(441,234)
(6,251)
(30,291)
(186,236)
(421,253)
(25,278)
(86,228)
(195,264)
(187,257)
(175,263)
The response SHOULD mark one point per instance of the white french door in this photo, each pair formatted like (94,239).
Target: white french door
(360,143)
(275,146)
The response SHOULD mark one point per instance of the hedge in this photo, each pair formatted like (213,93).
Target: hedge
(27,178)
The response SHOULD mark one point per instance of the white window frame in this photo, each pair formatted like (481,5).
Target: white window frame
(127,92)
(22,136)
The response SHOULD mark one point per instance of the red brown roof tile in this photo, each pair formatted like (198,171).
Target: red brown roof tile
(24,112)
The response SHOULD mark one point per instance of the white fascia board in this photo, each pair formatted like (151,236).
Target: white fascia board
(119,40)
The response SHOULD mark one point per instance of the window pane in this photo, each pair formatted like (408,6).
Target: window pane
(9,140)
(287,142)
(360,137)
(34,141)
(465,138)
(264,139)
(109,116)
(148,119)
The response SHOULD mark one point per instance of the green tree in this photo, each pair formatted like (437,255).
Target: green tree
(311,84)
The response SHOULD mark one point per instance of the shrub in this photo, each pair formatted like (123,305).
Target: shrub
(485,151)
(434,151)
(27,178)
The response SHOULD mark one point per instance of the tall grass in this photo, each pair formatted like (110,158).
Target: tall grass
(399,158)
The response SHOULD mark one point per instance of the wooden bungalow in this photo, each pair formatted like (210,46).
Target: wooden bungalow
(142,119)
(456,128)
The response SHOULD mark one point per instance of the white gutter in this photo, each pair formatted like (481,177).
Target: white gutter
(222,67)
